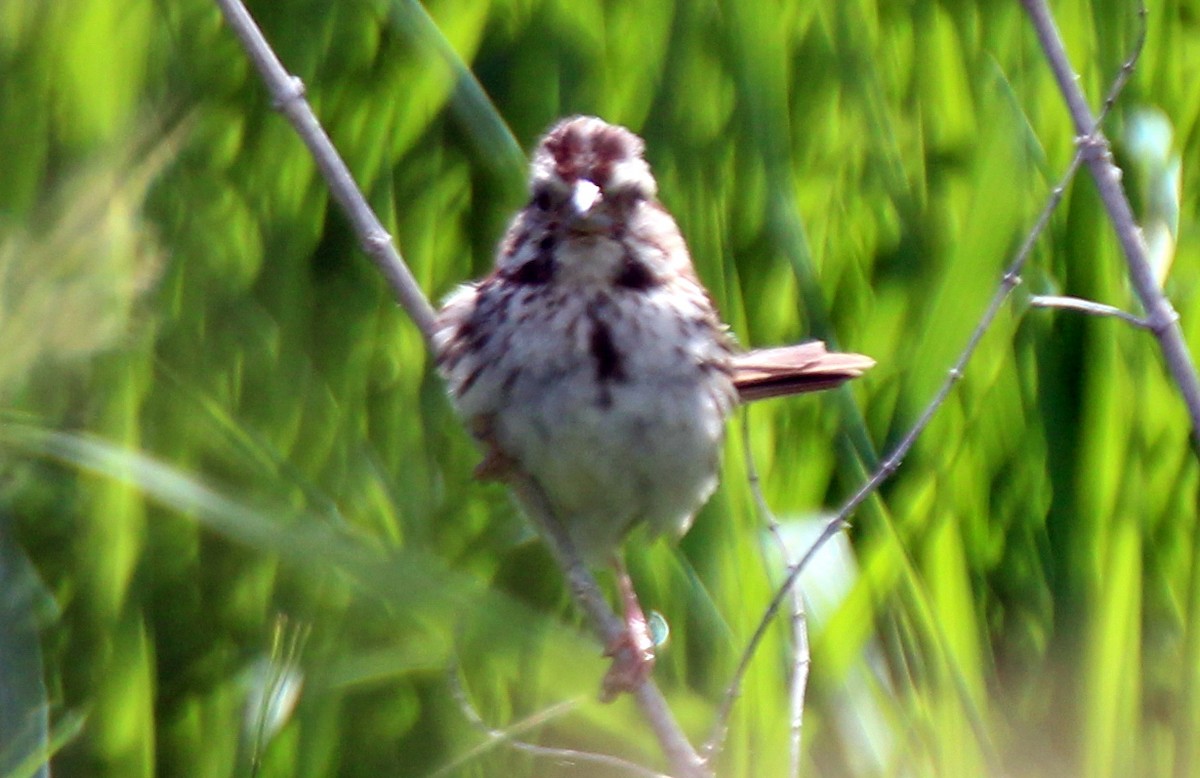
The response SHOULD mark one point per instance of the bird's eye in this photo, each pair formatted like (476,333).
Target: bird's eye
(541,200)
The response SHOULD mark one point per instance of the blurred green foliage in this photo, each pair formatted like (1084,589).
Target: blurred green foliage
(234,473)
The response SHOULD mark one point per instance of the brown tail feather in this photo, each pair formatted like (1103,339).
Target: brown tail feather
(807,367)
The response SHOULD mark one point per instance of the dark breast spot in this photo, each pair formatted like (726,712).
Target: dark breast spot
(535,272)
(468,382)
(609,365)
(491,311)
(635,275)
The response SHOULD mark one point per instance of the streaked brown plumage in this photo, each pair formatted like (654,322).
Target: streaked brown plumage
(593,359)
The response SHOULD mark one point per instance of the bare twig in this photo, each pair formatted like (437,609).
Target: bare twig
(799,619)
(607,626)
(287,94)
(510,737)
(287,91)
(1089,307)
(889,465)
(1162,320)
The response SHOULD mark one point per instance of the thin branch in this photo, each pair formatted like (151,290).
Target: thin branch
(607,626)
(891,463)
(799,618)
(1162,319)
(1089,307)
(510,737)
(287,95)
(287,91)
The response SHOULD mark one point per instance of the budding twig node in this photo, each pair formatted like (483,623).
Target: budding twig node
(1092,145)
(292,89)
(377,241)
(1162,321)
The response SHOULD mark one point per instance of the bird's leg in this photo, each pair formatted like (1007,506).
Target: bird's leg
(632,651)
(495,465)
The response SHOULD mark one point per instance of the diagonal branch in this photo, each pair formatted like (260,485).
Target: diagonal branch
(287,96)
(1162,321)
(287,92)
(1161,317)
(891,463)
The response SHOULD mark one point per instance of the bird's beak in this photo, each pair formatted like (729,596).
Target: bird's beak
(584,198)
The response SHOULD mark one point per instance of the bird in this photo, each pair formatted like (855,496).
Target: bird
(593,360)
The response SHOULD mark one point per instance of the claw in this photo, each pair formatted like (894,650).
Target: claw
(632,651)
(495,465)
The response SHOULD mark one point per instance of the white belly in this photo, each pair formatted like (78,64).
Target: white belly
(615,402)
(650,454)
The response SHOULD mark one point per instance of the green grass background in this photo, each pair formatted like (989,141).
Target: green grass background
(224,455)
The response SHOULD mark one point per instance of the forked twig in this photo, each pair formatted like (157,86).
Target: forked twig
(607,626)
(510,737)
(1161,317)
(1090,307)
(889,465)
(287,92)
(1162,321)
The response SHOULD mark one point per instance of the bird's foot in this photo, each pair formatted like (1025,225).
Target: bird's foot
(495,465)
(632,651)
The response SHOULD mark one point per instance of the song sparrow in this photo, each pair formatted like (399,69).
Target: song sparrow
(592,358)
